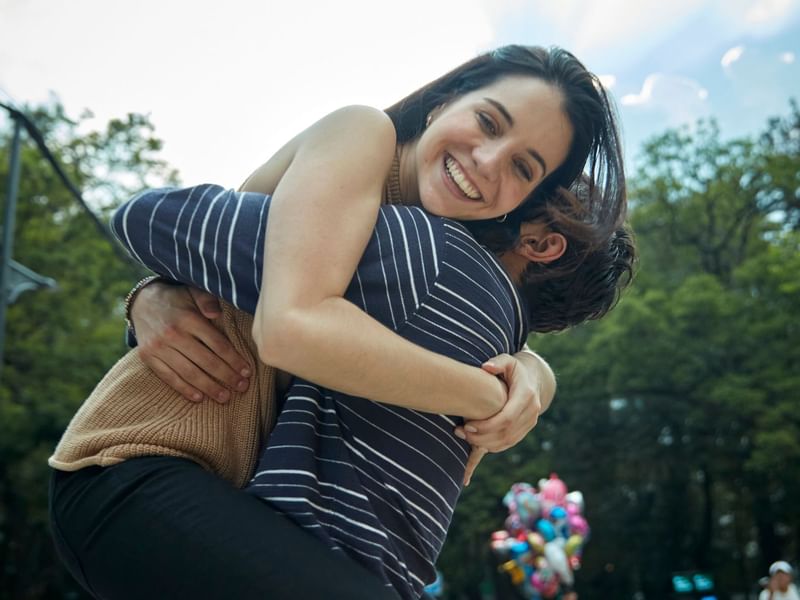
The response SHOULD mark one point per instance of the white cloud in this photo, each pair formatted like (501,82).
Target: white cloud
(603,24)
(616,34)
(678,99)
(762,80)
(608,81)
(228,83)
(754,17)
(731,56)
(766,11)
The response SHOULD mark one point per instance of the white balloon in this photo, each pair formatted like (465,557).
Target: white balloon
(555,555)
(576,498)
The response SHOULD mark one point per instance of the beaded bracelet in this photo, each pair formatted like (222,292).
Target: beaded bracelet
(132,296)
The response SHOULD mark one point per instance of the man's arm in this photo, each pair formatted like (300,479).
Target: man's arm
(205,236)
(211,237)
(173,232)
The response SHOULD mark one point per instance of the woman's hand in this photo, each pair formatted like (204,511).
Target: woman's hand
(531,386)
(183,348)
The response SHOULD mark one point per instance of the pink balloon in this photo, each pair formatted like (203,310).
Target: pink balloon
(554,490)
(578,525)
(543,579)
(573,509)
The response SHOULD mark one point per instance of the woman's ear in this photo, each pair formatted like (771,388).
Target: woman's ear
(540,245)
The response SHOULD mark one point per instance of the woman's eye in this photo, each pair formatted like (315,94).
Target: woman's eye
(524,170)
(487,124)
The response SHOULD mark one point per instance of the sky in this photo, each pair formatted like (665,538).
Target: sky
(227,83)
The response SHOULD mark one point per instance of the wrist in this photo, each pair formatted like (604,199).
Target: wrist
(131,298)
(145,287)
(490,394)
(543,374)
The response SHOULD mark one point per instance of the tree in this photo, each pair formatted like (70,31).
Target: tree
(59,343)
(677,414)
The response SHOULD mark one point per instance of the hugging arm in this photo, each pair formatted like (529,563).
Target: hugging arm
(164,230)
(211,238)
(303,324)
(323,212)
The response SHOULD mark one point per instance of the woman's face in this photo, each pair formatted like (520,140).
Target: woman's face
(485,152)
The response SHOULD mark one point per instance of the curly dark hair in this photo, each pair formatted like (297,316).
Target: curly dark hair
(585,283)
(587,290)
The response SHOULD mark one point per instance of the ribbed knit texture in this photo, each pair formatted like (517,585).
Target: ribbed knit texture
(133,413)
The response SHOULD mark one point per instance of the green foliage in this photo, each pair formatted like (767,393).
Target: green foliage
(60,342)
(677,415)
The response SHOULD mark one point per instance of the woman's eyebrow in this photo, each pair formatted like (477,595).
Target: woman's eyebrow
(510,120)
(502,109)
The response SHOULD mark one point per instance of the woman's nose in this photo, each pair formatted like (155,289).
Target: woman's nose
(488,159)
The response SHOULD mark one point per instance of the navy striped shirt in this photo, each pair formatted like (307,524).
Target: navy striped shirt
(376,481)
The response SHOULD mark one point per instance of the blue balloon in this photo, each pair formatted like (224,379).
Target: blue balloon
(546,529)
(558,513)
(519,548)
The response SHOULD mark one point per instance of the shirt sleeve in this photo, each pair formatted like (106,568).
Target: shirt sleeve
(205,236)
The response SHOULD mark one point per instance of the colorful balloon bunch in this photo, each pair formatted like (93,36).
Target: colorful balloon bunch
(542,543)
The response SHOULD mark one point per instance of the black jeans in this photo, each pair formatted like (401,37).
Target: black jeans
(161,527)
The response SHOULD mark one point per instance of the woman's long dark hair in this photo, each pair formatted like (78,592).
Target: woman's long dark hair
(595,146)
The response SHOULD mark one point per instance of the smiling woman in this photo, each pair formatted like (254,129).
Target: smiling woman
(551,120)
(484,152)
(357,301)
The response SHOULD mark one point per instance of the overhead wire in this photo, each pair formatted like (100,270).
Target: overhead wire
(36,135)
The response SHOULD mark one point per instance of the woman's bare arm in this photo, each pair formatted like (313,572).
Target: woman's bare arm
(306,327)
(303,324)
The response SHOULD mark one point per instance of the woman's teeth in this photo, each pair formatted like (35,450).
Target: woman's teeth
(460,180)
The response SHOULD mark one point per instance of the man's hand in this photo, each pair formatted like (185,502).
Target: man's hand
(182,347)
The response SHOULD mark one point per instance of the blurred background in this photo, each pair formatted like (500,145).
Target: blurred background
(677,417)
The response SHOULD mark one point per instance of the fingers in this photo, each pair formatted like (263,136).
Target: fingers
(500,433)
(196,338)
(178,342)
(500,365)
(235,368)
(207,303)
(519,415)
(475,457)
(193,363)
(209,369)
(169,377)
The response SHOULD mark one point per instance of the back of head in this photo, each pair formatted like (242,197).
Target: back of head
(595,144)
(587,292)
(586,281)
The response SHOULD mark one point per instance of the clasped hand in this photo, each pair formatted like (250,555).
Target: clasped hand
(516,419)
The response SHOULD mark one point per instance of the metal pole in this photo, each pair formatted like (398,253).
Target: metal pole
(8,231)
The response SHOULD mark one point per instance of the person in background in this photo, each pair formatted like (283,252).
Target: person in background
(780,586)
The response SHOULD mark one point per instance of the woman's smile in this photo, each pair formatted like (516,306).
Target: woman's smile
(484,153)
(456,175)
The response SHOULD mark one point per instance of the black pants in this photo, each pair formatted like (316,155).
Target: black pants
(161,527)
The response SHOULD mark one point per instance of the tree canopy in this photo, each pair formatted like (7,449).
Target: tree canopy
(60,342)
(676,416)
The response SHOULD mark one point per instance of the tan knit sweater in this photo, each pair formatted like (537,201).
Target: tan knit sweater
(132,413)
